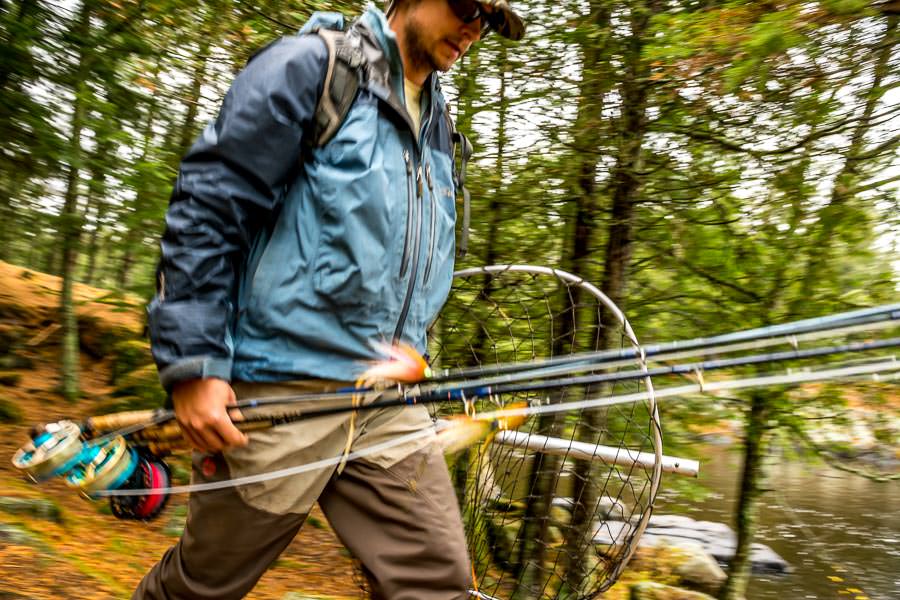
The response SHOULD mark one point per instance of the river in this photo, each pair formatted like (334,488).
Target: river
(840,532)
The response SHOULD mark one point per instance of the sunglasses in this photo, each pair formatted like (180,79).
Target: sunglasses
(468,11)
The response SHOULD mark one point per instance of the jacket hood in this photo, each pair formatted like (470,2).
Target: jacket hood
(375,21)
(323,20)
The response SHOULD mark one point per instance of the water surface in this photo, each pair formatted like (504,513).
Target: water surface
(840,532)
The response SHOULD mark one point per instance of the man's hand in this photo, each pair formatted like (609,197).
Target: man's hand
(201,408)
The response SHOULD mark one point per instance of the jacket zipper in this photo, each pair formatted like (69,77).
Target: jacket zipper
(410,210)
(431,236)
(410,288)
(419,142)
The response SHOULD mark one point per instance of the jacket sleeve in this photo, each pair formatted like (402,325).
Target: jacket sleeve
(228,186)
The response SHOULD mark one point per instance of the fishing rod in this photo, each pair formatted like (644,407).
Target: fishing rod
(119,451)
(123,450)
(143,426)
(402,397)
(138,496)
(480,389)
(876,316)
(436,388)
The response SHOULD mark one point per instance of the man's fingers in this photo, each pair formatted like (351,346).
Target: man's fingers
(212,439)
(231,434)
(193,440)
(235,415)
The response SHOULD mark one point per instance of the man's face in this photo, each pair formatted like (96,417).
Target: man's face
(436,37)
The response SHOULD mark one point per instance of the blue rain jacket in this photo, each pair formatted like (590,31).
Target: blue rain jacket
(284,262)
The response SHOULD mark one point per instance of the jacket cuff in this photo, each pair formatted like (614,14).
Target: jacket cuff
(201,367)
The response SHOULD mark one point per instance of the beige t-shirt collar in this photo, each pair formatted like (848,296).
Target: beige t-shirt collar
(413,94)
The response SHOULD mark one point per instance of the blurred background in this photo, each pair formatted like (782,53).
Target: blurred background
(710,165)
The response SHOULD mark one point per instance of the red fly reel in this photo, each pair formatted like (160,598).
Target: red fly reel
(150,473)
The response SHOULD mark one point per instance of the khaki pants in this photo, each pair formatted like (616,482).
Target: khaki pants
(395,511)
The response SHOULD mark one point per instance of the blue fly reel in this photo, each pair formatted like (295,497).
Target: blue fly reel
(104,466)
(53,451)
(59,450)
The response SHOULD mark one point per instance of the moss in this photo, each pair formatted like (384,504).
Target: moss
(40,508)
(143,384)
(16,361)
(98,338)
(129,356)
(10,378)
(9,412)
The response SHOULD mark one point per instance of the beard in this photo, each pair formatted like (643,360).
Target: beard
(416,49)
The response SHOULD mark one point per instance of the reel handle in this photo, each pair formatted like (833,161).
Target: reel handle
(169,434)
(93,426)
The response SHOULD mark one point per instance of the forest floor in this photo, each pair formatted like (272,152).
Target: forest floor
(81,551)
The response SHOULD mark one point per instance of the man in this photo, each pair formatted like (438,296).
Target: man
(281,263)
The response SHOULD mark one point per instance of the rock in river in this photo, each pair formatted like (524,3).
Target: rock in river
(717,539)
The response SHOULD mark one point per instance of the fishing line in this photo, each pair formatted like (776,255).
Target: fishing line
(280,473)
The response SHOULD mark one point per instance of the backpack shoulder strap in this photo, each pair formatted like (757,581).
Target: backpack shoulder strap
(342,80)
(464,146)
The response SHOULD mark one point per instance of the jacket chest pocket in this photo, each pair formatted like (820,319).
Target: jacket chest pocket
(351,262)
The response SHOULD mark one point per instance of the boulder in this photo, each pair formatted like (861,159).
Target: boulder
(697,570)
(611,508)
(649,590)
(10,411)
(560,516)
(717,539)
(607,507)
(142,384)
(17,536)
(10,378)
(98,336)
(16,362)
(501,503)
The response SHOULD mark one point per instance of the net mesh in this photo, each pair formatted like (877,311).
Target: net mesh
(555,509)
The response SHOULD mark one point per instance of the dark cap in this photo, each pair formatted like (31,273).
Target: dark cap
(504,20)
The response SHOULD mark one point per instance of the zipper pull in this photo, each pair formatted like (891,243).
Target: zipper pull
(428,177)
(419,181)
(408,164)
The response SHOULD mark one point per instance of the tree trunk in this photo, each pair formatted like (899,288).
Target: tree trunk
(70,221)
(752,479)
(96,204)
(136,223)
(623,187)
(495,207)
(198,79)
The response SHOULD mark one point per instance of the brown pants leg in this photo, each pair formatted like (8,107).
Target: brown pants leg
(403,524)
(226,546)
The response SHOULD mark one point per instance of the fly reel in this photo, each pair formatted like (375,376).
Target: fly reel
(92,466)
